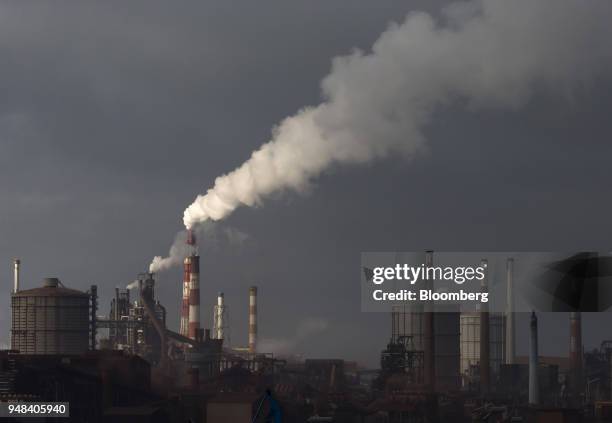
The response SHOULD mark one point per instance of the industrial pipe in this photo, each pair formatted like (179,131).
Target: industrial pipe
(428,332)
(510,317)
(534,387)
(253,319)
(17,265)
(485,362)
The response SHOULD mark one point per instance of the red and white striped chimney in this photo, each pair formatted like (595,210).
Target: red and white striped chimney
(185,303)
(194,297)
(253,319)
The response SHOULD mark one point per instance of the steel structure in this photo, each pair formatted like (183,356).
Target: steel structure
(470,346)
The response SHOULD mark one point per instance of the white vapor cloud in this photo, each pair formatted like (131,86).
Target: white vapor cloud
(487,53)
(210,236)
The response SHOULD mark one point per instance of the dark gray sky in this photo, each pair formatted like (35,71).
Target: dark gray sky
(114,115)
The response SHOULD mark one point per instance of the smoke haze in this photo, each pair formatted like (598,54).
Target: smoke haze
(210,236)
(306,329)
(488,53)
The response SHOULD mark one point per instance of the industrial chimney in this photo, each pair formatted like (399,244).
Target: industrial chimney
(575,355)
(428,333)
(534,388)
(253,319)
(17,264)
(485,362)
(184,330)
(194,297)
(510,317)
(218,317)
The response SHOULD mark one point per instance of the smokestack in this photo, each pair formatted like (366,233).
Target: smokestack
(188,275)
(116,316)
(428,332)
(17,265)
(218,318)
(534,388)
(485,364)
(575,354)
(253,319)
(93,316)
(191,239)
(194,297)
(184,330)
(510,328)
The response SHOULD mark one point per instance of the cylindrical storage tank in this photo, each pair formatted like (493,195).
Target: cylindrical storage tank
(408,323)
(470,344)
(50,320)
(447,350)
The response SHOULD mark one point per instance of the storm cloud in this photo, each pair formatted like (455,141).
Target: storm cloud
(114,115)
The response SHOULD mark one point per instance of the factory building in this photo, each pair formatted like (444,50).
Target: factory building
(130,327)
(51,319)
(120,310)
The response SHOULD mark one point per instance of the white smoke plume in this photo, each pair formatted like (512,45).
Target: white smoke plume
(132,285)
(487,53)
(210,237)
(305,330)
(178,251)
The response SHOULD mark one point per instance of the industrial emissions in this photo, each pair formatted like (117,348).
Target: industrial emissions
(450,365)
(126,364)
(376,103)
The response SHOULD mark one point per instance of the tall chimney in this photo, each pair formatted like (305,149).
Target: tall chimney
(218,317)
(534,388)
(17,265)
(575,355)
(187,271)
(194,297)
(253,319)
(428,333)
(510,317)
(116,316)
(485,362)
(184,330)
